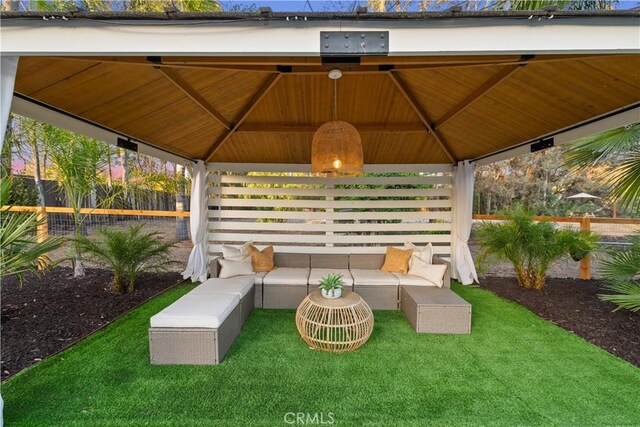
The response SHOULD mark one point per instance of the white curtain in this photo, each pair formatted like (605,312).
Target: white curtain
(8,69)
(197,265)
(462,262)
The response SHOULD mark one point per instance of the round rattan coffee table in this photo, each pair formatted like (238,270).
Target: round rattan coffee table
(334,325)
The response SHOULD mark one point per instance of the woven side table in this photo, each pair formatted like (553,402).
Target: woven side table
(334,325)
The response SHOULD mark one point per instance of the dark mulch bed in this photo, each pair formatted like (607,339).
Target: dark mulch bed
(52,312)
(574,305)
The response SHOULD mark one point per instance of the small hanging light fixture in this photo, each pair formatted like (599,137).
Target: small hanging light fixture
(337,147)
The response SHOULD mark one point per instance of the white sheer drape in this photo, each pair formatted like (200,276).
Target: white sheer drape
(462,262)
(8,69)
(197,265)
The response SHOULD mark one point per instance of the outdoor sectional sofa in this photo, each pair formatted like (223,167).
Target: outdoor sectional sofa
(297,275)
(200,327)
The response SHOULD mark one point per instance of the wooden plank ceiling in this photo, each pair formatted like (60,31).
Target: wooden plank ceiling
(421,110)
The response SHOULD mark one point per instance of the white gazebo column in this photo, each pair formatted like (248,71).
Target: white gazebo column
(8,69)
(197,265)
(462,265)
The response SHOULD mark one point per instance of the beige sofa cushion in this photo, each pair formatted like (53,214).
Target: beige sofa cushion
(239,285)
(318,274)
(287,276)
(409,280)
(373,277)
(330,261)
(259,277)
(197,311)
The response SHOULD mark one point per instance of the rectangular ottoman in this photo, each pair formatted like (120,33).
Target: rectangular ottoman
(435,310)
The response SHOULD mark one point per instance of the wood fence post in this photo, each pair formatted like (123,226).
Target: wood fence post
(42,230)
(585,263)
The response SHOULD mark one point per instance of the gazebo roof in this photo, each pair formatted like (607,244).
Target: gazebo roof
(408,109)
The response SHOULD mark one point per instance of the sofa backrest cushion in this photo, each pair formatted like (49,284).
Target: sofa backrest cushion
(292,260)
(366,261)
(330,261)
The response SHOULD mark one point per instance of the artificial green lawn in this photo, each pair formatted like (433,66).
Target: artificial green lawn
(514,369)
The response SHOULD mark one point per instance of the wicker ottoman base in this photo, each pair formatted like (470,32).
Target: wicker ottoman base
(194,346)
(257,302)
(379,297)
(283,296)
(435,310)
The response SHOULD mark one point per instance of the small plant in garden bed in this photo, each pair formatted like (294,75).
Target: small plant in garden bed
(331,286)
(532,247)
(128,253)
(622,271)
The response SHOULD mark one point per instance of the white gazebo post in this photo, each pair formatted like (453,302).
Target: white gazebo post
(8,69)
(462,265)
(198,260)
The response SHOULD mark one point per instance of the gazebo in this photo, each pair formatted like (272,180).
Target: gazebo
(431,94)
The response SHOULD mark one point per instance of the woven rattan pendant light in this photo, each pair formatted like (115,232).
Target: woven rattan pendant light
(337,147)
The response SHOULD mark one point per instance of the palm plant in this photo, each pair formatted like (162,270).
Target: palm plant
(532,247)
(20,250)
(622,271)
(128,253)
(621,148)
(76,161)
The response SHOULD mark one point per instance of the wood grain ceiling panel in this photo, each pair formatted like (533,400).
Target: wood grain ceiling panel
(438,91)
(37,73)
(227,91)
(104,82)
(308,99)
(133,97)
(377,148)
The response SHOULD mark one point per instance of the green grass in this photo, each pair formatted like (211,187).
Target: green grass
(514,369)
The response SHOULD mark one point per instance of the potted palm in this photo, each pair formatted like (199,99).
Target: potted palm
(331,286)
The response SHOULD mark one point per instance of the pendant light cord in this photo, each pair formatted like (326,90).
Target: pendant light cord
(335,100)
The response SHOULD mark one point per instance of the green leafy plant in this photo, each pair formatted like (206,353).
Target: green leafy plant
(128,253)
(331,282)
(532,247)
(20,250)
(621,269)
(620,148)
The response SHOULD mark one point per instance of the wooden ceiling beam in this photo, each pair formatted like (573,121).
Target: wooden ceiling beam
(424,118)
(362,128)
(255,100)
(187,89)
(478,93)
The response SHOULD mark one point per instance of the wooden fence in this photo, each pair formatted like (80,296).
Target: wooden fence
(43,211)
(585,224)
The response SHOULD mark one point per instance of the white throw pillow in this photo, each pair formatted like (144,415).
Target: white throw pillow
(232,253)
(431,272)
(230,268)
(424,253)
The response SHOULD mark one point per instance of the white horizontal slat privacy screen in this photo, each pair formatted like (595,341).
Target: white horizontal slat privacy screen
(296,212)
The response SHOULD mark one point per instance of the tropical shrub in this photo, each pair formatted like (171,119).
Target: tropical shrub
(532,247)
(128,253)
(20,250)
(621,269)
